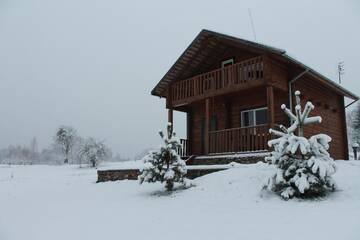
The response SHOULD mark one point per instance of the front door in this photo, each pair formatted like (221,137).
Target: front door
(226,72)
(213,127)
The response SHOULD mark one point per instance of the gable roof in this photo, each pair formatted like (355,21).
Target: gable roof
(207,46)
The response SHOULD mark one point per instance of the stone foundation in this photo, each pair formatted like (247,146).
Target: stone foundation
(132,174)
(196,161)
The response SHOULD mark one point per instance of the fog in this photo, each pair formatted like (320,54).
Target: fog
(92,64)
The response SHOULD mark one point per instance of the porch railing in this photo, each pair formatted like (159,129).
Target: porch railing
(218,80)
(184,149)
(239,139)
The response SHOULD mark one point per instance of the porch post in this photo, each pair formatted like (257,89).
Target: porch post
(189,131)
(343,113)
(170,116)
(169,106)
(270,105)
(207,124)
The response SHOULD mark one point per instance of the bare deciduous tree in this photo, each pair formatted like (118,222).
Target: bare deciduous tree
(94,151)
(65,139)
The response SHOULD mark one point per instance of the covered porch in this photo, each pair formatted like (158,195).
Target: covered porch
(232,140)
(227,124)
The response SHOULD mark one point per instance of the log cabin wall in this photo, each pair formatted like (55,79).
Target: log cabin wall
(272,69)
(227,110)
(254,98)
(281,97)
(330,106)
(198,116)
(237,54)
(279,76)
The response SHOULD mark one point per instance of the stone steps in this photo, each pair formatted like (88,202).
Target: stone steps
(221,159)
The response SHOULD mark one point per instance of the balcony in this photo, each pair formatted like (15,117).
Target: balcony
(220,81)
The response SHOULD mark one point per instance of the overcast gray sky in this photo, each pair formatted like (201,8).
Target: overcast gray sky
(92,64)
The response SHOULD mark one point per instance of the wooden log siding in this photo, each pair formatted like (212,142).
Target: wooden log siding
(210,83)
(260,77)
(239,139)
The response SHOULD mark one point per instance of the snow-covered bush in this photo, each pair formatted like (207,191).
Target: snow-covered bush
(93,151)
(164,164)
(303,166)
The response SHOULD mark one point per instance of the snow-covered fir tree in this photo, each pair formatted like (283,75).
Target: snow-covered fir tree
(165,164)
(353,123)
(303,166)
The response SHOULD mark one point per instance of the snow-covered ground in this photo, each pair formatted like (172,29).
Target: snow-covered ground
(64,202)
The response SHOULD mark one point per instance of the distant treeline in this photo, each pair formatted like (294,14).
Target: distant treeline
(79,150)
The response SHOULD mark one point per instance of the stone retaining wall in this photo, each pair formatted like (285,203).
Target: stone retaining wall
(115,175)
(132,174)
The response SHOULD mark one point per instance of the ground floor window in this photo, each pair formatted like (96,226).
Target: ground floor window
(254,117)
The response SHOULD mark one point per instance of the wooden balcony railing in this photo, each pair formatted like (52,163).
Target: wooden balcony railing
(222,79)
(184,150)
(239,139)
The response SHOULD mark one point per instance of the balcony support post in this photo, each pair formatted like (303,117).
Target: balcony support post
(270,106)
(207,125)
(189,129)
(170,117)
(169,106)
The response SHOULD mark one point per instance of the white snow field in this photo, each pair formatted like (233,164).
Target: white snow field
(64,202)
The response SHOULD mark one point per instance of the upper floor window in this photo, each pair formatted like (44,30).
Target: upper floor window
(254,117)
(227,62)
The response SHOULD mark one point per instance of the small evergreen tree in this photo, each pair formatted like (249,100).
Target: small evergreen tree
(353,122)
(303,166)
(164,165)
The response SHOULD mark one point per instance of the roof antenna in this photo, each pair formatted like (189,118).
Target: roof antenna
(252,24)
(340,70)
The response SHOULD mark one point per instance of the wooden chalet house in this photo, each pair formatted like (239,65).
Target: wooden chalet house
(232,89)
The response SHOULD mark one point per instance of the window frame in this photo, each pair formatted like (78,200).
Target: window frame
(253,110)
(227,62)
